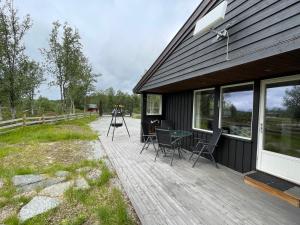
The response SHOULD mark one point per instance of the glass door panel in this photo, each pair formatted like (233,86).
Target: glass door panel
(282,118)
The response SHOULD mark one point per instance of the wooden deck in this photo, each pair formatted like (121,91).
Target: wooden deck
(180,194)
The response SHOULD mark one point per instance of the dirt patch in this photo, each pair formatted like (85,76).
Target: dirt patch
(45,154)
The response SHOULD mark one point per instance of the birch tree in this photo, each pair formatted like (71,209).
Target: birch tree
(12,57)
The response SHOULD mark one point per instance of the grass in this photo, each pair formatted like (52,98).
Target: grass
(61,131)
(52,147)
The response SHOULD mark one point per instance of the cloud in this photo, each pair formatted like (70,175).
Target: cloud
(121,38)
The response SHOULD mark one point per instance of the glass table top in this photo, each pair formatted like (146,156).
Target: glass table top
(180,133)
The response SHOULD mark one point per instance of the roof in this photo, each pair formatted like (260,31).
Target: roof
(92,106)
(200,11)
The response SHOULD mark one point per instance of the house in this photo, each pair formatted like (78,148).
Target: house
(92,108)
(253,96)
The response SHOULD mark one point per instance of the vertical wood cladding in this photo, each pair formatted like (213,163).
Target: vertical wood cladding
(234,153)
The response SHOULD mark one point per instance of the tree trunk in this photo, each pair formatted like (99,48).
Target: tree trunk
(84,107)
(1,117)
(13,112)
(31,103)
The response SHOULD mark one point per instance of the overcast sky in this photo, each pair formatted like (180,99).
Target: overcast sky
(121,38)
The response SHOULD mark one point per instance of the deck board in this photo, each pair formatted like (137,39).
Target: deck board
(180,194)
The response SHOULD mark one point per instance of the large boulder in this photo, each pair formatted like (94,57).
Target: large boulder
(56,190)
(36,206)
(22,180)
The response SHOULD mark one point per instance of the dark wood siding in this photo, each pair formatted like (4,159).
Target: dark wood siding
(234,153)
(261,29)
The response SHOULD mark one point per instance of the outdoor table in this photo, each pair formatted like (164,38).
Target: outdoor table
(178,135)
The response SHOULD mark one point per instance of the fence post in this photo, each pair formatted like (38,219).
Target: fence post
(24,119)
(43,119)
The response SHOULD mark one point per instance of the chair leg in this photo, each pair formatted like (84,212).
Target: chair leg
(191,156)
(214,161)
(172,156)
(153,144)
(144,146)
(157,150)
(198,157)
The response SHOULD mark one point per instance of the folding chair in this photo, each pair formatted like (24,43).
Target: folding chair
(148,138)
(165,140)
(206,148)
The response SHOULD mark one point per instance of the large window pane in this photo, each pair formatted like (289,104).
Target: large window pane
(154,104)
(282,118)
(237,107)
(203,109)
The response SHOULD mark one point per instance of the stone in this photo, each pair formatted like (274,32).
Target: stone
(81,183)
(36,206)
(62,173)
(41,184)
(1,183)
(94,174)
(56,190)
(83,169)
(21,180)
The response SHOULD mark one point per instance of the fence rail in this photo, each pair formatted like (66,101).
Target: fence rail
(9,125)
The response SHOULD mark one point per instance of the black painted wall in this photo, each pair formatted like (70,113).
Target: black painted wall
(237,154)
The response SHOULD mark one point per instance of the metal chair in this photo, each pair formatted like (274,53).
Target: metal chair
(167,125)
(206,148)
(148,138)
(165,140)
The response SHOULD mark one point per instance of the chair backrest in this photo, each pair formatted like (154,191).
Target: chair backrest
(214,140)
(163,137)
(167,125)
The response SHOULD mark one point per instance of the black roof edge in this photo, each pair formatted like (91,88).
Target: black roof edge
(203,8)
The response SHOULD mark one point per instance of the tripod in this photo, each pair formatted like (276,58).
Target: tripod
(117,112)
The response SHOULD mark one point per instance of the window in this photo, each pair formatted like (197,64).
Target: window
(236,110)
(154,104)
(203,114)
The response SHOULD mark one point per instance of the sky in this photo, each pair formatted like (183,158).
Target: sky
(121,38)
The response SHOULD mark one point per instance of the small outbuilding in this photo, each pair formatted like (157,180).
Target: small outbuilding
(92,108)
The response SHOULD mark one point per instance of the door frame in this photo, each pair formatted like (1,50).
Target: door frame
(260,136)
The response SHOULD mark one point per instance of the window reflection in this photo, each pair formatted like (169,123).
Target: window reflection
(237,107)
(154,104)
(282,118)
(204,109)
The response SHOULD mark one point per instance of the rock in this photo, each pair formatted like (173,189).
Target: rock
(21,180)
(94,174)
(83,169)
(56,190)
(62,173)
(1,183)
(81,183)
(41,184)
(36,206)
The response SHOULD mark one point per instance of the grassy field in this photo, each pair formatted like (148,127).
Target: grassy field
(45,149)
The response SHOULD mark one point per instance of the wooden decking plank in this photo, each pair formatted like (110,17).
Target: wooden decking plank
(180,194)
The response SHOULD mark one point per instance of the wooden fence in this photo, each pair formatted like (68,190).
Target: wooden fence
(9,125)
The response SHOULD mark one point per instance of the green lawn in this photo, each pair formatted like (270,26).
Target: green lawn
(61,146)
